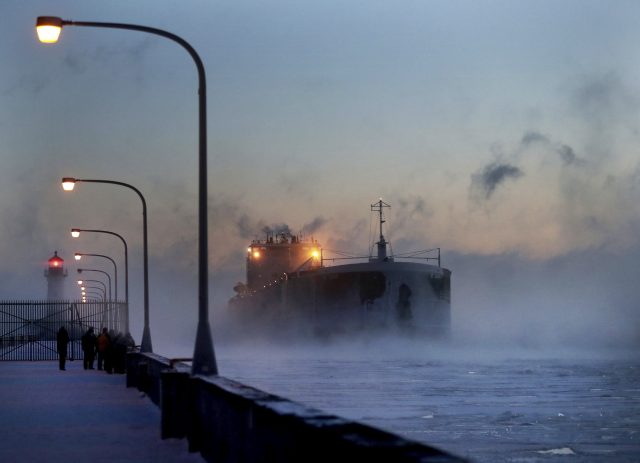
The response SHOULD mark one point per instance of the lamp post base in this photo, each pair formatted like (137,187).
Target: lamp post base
(146,340)
(204,360)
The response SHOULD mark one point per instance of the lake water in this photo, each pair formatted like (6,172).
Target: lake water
(488,405)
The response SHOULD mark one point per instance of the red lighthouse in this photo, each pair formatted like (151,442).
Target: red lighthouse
(55,275)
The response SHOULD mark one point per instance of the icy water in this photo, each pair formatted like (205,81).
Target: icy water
(487,406)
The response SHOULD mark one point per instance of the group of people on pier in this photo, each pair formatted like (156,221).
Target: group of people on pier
(110,348)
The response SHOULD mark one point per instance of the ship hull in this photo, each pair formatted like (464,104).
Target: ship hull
(372,297)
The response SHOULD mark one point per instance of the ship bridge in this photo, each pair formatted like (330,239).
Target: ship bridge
(269,259)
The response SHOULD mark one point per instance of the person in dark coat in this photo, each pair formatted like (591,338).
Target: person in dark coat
(121,345)
(104,345)
(89,348)
(62,340)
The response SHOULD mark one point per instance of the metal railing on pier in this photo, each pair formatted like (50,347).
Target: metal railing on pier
(28,328)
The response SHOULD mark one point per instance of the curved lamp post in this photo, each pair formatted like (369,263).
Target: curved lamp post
(75,232)
(68,183)
(204,361)
(78,256)
(109,303)
(94,290)
(80,270)
(85,287)
(104,287)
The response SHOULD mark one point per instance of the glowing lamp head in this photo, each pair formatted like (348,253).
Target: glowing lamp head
(82,288)
(48,28)
(256,254)
(84,293)
(75,232)
(68,183)
(315,254)
(77,256)
(79,282)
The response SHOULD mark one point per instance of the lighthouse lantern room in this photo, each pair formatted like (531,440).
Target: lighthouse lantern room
(55,275)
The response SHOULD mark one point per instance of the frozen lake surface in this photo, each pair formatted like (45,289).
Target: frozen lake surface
(488,406)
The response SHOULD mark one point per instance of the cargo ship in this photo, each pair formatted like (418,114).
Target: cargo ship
(293,287)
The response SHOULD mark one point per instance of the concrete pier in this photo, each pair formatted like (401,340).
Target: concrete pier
(48,415)
(165,413)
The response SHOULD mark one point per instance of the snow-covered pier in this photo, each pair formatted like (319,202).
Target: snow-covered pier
(79,415)
(88,415)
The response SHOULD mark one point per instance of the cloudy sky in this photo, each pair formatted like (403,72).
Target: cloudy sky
(504,132)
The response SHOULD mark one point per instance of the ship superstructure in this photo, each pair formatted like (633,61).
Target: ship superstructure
(289,285)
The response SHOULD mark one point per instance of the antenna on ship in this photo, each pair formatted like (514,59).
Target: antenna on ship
(382,244)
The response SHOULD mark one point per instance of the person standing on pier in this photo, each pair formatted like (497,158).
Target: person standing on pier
(62,340)
(89,348)
(104,344)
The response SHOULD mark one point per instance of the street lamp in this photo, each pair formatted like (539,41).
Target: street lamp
(204,361)
(48,29)
(92,293)
(103,287)
(94,289)
(78,256)
(68,183)
(75,232)
(80,270)
(106,303)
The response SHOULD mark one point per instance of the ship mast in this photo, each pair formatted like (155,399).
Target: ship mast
(382,244)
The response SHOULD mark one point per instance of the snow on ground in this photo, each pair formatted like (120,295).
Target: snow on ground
(52,416)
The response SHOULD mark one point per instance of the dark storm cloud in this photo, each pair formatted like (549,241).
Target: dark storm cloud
(492,175)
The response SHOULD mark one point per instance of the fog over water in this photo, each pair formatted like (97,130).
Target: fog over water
(505,133)
(510,144)
(487,404)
